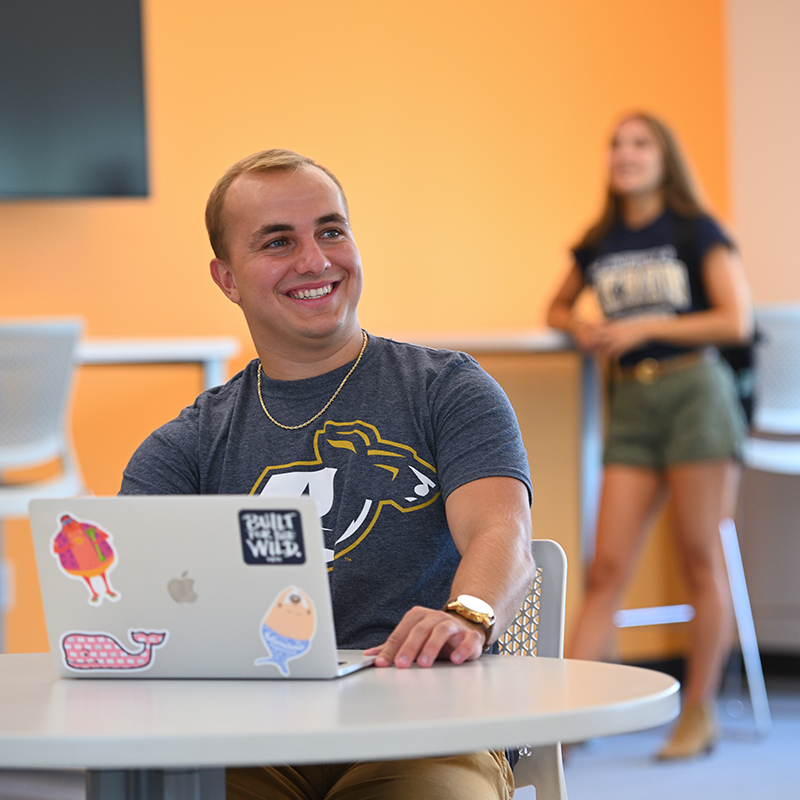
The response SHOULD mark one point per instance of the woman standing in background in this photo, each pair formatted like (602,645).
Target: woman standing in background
(671,288)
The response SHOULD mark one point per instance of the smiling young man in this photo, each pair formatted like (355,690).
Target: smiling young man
(291,264)
(413,455)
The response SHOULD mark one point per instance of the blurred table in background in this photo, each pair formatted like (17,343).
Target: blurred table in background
(212,354)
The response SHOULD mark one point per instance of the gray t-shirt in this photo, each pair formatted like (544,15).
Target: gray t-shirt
(410,425)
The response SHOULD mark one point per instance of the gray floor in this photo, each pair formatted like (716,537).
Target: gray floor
(25,785)
(742,765)
(617,768)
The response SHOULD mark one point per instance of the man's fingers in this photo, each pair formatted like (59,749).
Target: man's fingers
(386,653)
(425,634)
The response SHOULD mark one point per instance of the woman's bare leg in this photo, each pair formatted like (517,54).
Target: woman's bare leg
(630,499)
(702,494)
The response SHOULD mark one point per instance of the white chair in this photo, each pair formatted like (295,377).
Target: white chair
(772,445)
(538,630)
(36,375)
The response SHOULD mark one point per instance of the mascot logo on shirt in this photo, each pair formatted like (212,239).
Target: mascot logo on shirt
(355,472)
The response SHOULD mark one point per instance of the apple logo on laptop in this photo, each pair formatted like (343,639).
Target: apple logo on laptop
(181,589)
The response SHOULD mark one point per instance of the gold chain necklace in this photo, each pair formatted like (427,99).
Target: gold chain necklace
(327,405)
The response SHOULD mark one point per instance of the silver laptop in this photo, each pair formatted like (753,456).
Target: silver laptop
(213,586)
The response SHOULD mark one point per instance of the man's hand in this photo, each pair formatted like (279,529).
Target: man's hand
(425,634)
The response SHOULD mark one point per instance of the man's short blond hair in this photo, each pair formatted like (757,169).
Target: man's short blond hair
(275,160)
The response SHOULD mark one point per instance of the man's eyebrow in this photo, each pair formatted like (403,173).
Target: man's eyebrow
(333,217)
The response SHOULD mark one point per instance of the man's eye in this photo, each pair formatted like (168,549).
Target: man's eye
(331,233)
(275,243)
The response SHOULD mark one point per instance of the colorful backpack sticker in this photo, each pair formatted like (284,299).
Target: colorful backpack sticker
(288,628)
(85,553)
(102,651)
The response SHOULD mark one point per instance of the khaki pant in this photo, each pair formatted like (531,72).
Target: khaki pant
(479,776)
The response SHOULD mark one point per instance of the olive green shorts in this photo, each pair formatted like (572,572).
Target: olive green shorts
(691,414)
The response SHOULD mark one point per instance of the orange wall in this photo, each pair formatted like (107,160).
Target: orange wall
(470,143)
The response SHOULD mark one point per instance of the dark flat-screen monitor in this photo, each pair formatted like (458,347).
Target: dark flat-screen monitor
(72,110)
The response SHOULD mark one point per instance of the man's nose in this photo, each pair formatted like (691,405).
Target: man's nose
(312,259)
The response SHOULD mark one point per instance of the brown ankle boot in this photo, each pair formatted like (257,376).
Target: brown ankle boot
(695,733)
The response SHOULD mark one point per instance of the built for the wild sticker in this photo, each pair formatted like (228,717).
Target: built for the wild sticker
(272,537)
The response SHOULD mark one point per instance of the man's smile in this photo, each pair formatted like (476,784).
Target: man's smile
(312,294)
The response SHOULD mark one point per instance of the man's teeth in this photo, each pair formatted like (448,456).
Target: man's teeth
(310,294)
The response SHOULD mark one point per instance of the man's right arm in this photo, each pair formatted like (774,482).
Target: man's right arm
(490,521)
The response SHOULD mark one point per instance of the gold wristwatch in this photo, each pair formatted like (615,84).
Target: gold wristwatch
(475,610)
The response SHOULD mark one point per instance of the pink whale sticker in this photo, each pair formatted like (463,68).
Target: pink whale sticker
(102,651)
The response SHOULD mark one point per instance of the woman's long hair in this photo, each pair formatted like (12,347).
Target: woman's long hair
(680,194)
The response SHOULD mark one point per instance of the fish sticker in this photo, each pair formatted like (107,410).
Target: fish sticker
(92,651)
(288,628)
(85,553)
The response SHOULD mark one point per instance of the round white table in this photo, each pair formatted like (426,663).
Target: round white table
(185,726)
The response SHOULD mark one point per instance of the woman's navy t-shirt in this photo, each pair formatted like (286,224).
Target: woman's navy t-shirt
(652,271)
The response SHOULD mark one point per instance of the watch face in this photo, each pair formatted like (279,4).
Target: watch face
(475,604)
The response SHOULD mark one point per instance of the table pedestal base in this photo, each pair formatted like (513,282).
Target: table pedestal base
(156,784)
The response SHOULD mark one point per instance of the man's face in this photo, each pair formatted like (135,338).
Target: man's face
(293,266)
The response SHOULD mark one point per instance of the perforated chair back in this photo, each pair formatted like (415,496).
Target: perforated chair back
(776,373)
(37,365)
(36,369)
(538,630)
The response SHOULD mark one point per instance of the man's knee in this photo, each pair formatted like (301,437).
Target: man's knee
(479,776)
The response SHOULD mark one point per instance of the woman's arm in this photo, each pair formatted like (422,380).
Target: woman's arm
(561,314)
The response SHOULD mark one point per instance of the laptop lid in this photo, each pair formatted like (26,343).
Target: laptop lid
(186,586)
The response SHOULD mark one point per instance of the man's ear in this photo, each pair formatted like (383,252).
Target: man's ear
(223,277)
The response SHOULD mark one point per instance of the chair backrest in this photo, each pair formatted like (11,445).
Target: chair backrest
(538,629)
(776,372)
(37,364)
